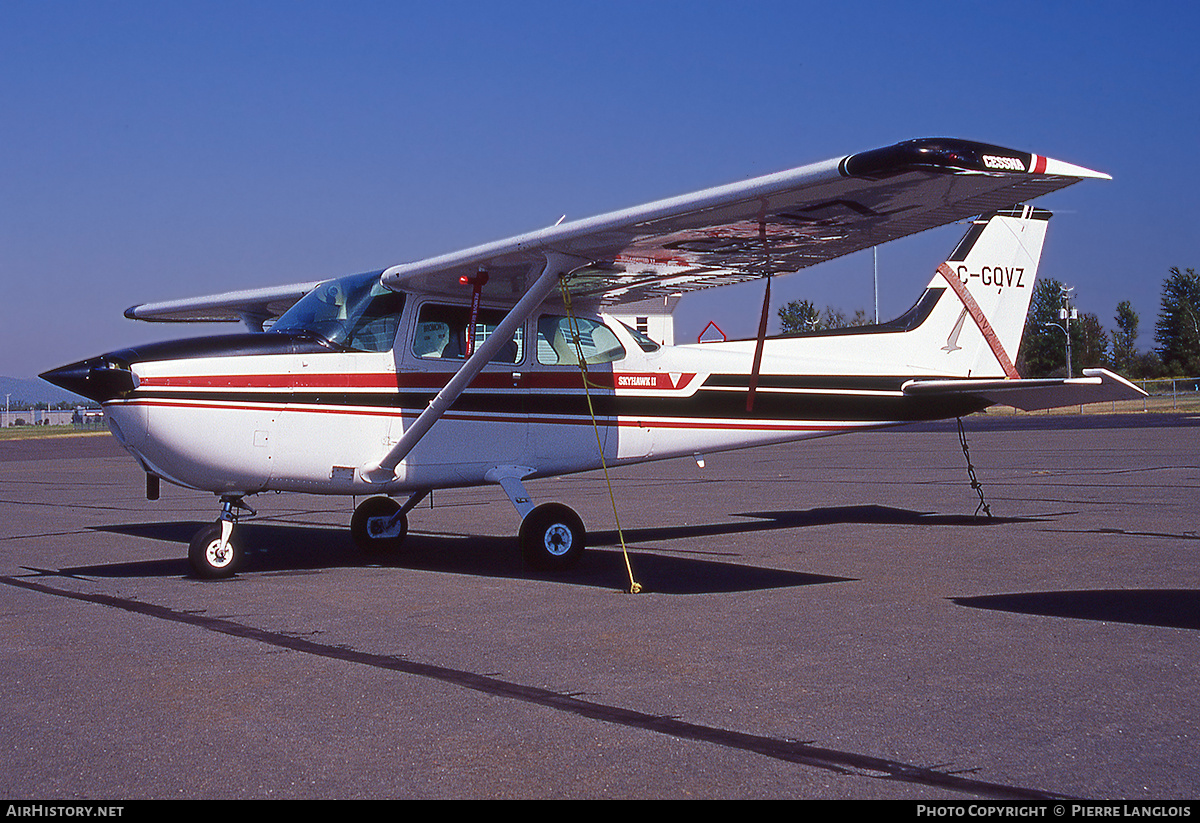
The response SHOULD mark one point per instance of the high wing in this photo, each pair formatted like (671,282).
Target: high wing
(252,306)
(773,224)
(778,223)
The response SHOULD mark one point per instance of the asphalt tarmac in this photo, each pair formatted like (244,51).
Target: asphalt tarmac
(833,619)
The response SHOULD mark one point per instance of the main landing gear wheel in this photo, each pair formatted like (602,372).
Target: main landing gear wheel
(210,558)
(552,537)
(375,527)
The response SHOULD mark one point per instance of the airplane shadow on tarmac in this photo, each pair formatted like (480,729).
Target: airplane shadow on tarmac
(1167,608)
(283,549)
(277,548)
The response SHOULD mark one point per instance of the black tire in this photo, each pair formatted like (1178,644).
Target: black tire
(552,537)
(209,563)
(365,536)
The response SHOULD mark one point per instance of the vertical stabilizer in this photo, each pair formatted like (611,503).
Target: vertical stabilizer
(975,330)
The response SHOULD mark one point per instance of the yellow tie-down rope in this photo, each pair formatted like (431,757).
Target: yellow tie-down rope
(634,586)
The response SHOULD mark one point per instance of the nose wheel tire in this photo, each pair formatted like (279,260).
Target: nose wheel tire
(209,558)
(552,537)
(372,527)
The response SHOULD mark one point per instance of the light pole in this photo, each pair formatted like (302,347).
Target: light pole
(1066,314)
(875,255)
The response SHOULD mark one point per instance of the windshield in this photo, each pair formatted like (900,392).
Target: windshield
(356,312)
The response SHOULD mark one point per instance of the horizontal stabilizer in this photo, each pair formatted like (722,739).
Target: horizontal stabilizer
(1096,386)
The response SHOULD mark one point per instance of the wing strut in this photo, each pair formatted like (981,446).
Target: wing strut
(556,266)
(762,322)
(758,347)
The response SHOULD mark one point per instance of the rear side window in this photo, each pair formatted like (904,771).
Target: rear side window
(557,344)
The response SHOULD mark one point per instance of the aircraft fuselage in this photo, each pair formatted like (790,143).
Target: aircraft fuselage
(277,411)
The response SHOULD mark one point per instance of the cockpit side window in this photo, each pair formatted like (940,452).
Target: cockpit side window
(557,344)
(442,333)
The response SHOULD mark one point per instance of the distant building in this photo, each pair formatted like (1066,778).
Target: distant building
(653,318)
(78,416)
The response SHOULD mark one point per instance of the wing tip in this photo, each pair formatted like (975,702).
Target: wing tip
(1060,168)
(954,155)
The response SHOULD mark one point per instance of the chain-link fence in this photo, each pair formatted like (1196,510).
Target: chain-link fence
(1166,394)
(81,418)
(1181,392)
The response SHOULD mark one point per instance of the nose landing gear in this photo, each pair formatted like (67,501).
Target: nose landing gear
(214,552)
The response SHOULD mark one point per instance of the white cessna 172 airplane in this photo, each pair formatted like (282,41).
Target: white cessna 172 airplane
(503,362)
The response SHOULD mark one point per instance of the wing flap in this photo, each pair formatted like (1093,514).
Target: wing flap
(1096,386)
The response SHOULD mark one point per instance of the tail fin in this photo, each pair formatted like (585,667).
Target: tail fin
(975,330)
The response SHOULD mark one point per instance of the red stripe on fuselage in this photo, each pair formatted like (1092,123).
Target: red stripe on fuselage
(653,381)
(683,423)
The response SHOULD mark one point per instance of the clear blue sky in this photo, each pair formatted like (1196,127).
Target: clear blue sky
(157,150)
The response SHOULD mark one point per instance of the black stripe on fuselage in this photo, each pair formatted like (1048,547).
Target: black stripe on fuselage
(224,345)
(717,403)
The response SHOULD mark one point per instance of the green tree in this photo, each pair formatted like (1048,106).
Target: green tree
(799,316)
(1147,364)
(833,318)
(802,316)
(1177,331)
(1089,343)
(1124,338)
(1043,350)
(1044,346)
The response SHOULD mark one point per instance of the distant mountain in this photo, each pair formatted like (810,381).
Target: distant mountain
(24,393)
